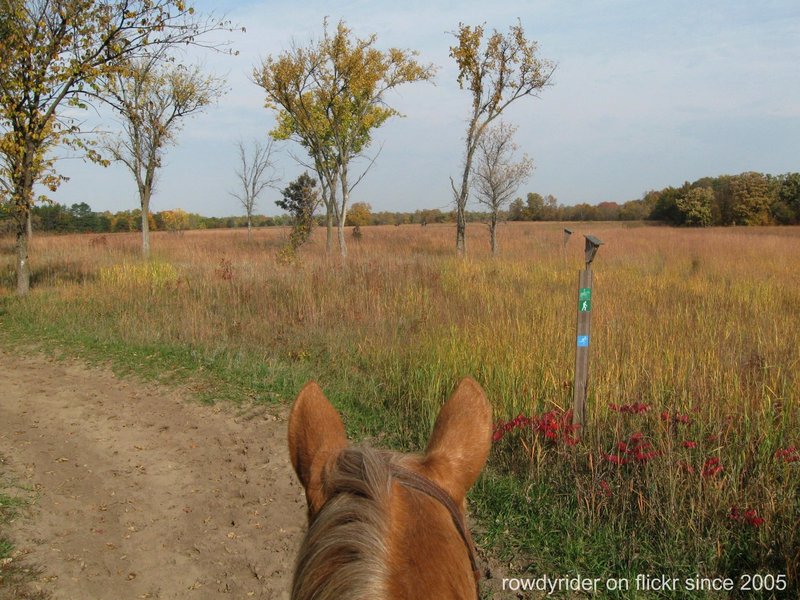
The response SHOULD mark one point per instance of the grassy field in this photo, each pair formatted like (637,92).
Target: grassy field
(689,465)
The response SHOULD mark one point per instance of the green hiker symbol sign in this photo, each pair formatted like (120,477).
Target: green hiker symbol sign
(584,300)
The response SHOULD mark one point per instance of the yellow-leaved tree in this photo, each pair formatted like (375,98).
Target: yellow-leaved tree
(176,220)
(56,54)
(329,97)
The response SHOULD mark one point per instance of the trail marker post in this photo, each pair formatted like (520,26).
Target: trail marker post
(582,338)
(567,233)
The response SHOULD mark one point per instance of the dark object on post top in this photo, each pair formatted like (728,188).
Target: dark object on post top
(592,244)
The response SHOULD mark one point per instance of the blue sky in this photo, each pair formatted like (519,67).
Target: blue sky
(646,95)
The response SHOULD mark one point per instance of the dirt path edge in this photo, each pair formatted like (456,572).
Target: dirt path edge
(143,493)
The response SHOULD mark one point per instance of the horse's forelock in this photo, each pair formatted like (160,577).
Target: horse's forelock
(344,553)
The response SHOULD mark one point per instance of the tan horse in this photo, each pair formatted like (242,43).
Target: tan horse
(384,525)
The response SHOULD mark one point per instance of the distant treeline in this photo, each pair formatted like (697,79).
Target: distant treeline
(80,218)
(746,199)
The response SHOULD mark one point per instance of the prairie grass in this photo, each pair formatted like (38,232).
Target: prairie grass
(689,461)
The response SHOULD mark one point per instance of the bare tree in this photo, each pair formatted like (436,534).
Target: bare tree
(256,172)
(497,72)
(496,177)
(153,98)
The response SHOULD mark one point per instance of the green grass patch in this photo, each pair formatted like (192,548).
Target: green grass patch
(15,572)
(10,505)
(5,548)
(212,375)
(540,529)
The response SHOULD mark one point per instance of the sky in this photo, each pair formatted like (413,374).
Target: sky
(646,94)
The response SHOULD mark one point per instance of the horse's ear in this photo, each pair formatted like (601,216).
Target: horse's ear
(461,440)
(316,435)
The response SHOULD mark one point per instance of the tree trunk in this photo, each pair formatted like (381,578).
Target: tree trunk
(461,206)
(329,197)
(22,200)
(23,267)
(461,200)
(249,228)
(461,232)
(145,224)
(29,225)
(329,232)
(340,219)
(342,241)
(493,233)
(341,216)
(145,193)
(474,133)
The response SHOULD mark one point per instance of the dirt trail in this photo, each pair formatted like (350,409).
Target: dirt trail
(142,493)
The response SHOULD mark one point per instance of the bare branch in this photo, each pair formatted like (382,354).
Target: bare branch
(496,175)
(366,170)
(256,173)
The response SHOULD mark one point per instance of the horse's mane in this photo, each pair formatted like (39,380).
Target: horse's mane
(344,553)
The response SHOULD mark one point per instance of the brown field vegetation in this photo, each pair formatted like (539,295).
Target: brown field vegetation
(690,460)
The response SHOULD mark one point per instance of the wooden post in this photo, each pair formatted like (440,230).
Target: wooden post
(567,233)
(582,347)
(579,389)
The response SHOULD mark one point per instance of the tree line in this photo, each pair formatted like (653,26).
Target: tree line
(53,217)
(749,198)
(746,199)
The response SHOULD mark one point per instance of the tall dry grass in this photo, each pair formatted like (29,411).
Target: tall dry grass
(694,358)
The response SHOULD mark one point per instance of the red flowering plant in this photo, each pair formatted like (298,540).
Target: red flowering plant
(675,418)
(712,467)
(636,450)
(788,455)
(637,408)
(747,517)
(554,426)
(552,429)
(501,428)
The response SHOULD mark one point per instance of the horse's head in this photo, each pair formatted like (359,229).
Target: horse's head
(384,525)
